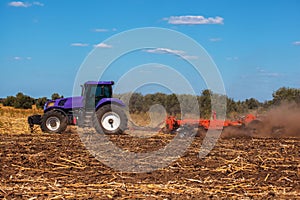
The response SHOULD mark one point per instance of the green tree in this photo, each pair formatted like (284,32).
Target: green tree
(40,102)
(252,103)
(231,107)
(205,103)
(9,101)
(188,103)
(23,101)
(172,104)
(55,96)
(136,103)
(241,107)
(286,94)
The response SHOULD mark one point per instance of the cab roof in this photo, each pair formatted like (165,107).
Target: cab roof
(99,83)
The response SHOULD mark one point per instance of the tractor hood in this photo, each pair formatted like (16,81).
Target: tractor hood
(65,103)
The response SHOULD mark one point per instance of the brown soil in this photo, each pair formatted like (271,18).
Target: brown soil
(58,166)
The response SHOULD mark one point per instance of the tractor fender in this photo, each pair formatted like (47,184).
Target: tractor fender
(56,109)
(114,101)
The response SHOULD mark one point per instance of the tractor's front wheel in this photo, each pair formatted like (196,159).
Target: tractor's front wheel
(110,119)
(54,122)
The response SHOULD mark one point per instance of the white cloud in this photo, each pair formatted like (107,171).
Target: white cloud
(19,4)
(101,30)
(232,58)
(78,44)
(215,39)
(102,45)
(260,70)
(17,58)
(264,73)
(24,4)
(187,57)
(297,43)
(172,51)
(22,58)
(164,50)
(272,74)
(36,3)
(194,19)
(104,30)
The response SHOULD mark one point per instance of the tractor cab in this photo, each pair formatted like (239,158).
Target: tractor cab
(93,92)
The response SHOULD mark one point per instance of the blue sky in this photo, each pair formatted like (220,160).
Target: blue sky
(255,44)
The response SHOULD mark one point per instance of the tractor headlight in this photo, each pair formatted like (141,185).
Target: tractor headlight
(50,104)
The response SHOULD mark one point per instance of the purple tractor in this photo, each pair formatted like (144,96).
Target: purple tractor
(95,107)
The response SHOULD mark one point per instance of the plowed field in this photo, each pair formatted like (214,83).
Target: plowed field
(58,166)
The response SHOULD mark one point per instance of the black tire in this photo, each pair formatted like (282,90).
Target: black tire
(54,121)
(110,119)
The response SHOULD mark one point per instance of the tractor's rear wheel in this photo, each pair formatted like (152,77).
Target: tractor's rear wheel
(54,122)
(110,119)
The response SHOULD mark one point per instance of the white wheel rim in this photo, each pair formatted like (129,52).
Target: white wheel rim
(111,121)
(53,123)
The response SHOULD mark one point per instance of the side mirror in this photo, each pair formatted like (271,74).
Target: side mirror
(82,90)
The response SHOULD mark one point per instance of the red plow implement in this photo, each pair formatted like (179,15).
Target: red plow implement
(172,124)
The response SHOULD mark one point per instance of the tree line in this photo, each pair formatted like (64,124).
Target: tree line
(173,103)
(26,102)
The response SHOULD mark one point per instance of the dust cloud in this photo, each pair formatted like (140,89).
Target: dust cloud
(278,122)
(283,120)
